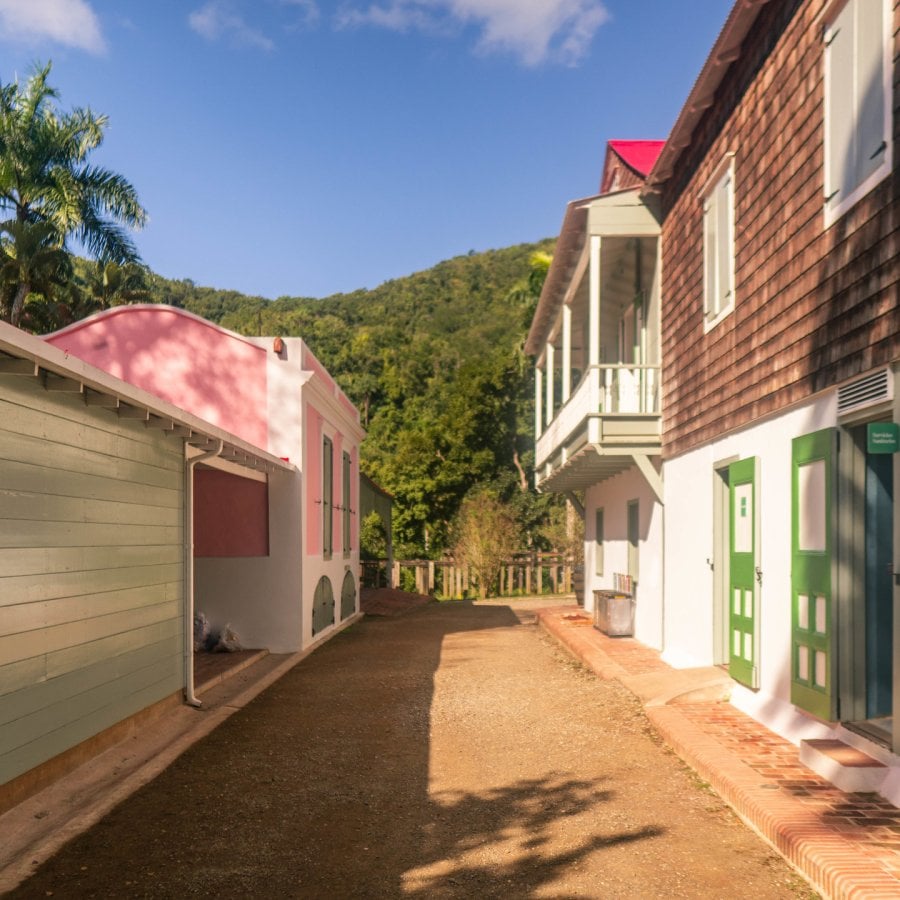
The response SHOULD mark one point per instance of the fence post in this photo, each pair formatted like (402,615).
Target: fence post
(430,577)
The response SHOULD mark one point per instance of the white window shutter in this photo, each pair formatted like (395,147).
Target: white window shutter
(839,40)
(724,240)
(710,282)
(871,137)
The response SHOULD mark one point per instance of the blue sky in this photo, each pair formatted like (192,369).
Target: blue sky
(306,147)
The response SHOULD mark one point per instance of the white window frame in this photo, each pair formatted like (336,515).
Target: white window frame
(719,189)
(841,197)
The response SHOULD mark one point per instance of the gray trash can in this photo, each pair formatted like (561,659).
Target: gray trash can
(614,613)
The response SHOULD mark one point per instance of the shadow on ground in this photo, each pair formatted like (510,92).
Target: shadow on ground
(320,788)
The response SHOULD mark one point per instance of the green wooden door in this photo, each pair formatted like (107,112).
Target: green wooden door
(743,593)
(812,549)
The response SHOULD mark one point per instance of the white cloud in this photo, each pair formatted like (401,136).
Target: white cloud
(308,10)
(219,18)
(69,22)
(534,30)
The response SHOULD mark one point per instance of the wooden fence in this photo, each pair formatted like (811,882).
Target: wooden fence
(525,574)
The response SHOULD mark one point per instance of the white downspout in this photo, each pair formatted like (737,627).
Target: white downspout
(189,463)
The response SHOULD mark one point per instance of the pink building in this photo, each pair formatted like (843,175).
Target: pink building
(275,556)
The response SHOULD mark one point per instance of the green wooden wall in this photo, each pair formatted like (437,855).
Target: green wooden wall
(91,571)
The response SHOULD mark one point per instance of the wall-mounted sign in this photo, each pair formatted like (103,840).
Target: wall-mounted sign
(883,437)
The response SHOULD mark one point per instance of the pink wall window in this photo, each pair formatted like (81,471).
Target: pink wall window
(312,481)
(231,515)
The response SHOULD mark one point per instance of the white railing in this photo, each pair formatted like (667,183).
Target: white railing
(620,388)
(628,388)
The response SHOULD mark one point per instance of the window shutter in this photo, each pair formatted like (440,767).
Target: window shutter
(724,241)
(839,43)
(871,137)
(710,282)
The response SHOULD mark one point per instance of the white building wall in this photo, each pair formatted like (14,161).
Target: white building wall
(689,606)
(613,496)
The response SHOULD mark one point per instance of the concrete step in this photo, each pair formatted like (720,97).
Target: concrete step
(844,766)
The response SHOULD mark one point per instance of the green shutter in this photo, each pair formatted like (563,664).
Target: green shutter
(743,594)
(812,549)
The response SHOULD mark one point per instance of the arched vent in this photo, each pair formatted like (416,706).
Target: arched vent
(323,606)
(348,596)
(864,392)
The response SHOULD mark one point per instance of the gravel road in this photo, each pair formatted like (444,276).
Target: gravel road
(454,751)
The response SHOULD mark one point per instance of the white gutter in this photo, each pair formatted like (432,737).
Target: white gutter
(190,461)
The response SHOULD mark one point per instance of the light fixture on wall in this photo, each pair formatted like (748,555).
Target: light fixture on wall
(278,345)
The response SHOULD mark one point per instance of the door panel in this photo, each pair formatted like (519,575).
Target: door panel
(743,590)
(812,550)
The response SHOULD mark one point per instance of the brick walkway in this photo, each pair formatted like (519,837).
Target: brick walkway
(847,845)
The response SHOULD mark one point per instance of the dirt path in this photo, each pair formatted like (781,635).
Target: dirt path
(451,752)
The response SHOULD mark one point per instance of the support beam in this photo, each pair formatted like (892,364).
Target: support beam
(566,353)
(538,402)
(549,356)
(594,303)
(651,476)
(104,401)
(576,503)
(134,412)
(54,382)
(12,365)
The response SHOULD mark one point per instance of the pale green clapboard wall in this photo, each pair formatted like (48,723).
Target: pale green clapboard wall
(91,571)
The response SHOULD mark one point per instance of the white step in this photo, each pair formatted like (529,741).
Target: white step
(844,766)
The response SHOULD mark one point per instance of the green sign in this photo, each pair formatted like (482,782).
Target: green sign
(883,437)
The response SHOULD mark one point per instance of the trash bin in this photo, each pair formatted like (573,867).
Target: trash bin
(614,613)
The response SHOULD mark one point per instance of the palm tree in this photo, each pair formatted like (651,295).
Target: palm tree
(31,261)
(111,284)
(46,176)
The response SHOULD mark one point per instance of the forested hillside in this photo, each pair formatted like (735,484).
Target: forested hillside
(434,362)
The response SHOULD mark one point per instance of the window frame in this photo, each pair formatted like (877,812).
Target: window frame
(327,497)
(346,479)
(598,540)
(836,210)
(723,173)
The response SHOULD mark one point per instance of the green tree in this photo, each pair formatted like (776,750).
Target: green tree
(31,261)
(108,284)
(486,535)
(46,177)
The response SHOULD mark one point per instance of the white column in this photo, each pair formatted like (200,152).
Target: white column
(550,364)
(566,352)
(594,303)
(538,402)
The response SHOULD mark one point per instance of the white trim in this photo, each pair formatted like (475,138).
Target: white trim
(725,169)
(831,215)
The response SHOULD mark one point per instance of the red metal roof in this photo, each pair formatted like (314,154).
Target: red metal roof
(638,155)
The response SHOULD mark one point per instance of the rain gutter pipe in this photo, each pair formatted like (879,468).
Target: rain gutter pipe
(189,697)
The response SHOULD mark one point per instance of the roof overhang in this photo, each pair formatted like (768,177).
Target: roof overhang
(28,356)
(725,51)
(616,214)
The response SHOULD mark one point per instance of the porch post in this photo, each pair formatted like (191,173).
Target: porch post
(538,402)
(594,303)
(566,352)
(550,363)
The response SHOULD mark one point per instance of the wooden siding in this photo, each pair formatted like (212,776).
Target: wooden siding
(91,571)
(814,306)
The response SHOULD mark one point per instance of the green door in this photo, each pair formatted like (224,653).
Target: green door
(743,592)
(812,548)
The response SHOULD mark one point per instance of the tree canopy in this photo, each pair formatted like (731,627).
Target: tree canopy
(51,193)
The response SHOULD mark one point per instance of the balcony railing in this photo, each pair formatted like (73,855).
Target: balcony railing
(626,388)
(620,389)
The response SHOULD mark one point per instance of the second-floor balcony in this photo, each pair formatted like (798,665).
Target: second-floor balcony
(612,415)
(596,338)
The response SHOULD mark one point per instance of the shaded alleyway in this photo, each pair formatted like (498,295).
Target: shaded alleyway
(452,752)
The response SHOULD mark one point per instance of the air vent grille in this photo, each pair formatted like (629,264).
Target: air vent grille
(867,391)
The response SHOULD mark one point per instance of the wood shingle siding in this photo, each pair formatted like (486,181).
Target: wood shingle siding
(814,305)
(91,571)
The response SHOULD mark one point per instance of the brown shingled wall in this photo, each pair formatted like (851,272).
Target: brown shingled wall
(813,306)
